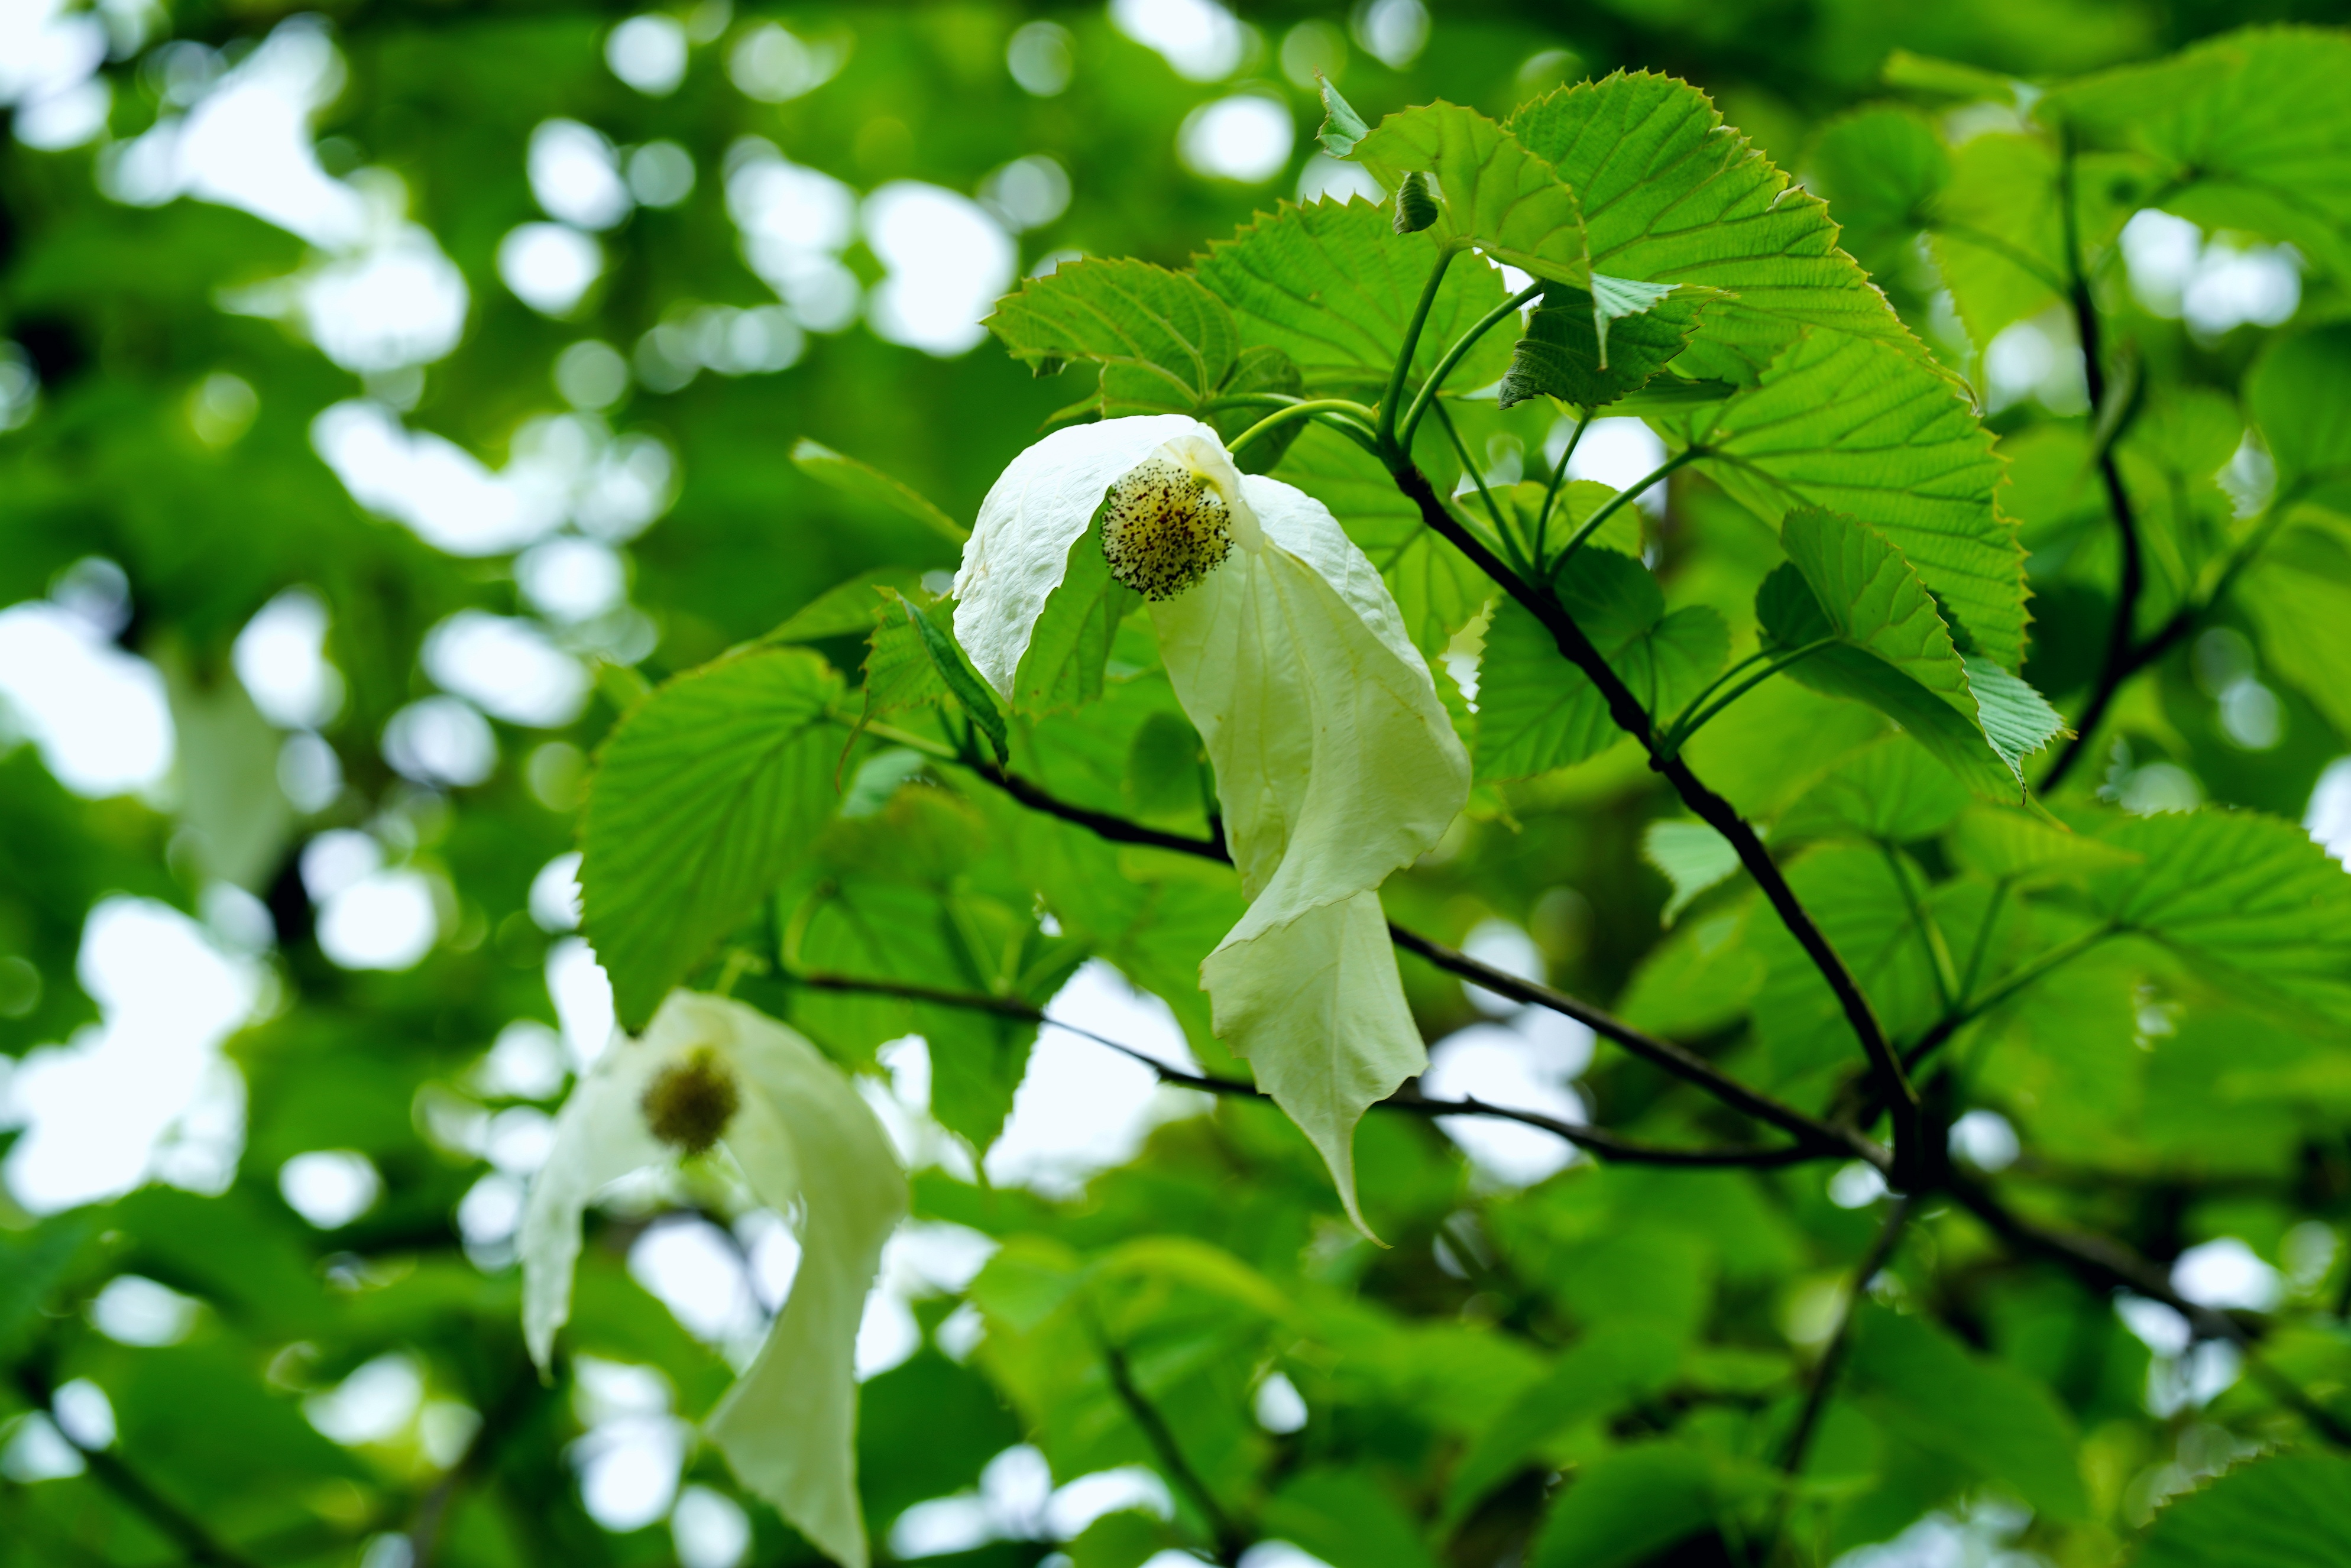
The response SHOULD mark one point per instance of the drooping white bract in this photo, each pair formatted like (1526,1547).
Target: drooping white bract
(801,1136)
(1334,759)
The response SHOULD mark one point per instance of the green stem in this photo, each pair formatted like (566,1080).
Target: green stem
(1983,938)
(1930,936)
(2006,987)
(1461,345)
(1611,507)
(1558,478)
(1679,733)
(1493,510)
(1387,424)
(1289,412)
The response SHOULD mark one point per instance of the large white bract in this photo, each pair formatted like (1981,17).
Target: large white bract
(801,1136)
(1335,762)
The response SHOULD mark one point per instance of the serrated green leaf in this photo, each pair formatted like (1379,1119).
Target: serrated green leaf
(967,688)
(2247,899)
(1537,712)
(2285,1511)
(2246,131)
(702,799)
(1968,1410)
(1261,368)
(1563,354)
(1497,195)
(1342,126)
(1854,898)
(1628,1505)
(1165,344)
(1945,78)
(1867,429)
(1893,792)
(1693,858)
(866,483)
(1329,283)
(844,609)
(2299,394)
(1669,195)
(1880,169)
(899,671)
(1999,232)
(2015,847)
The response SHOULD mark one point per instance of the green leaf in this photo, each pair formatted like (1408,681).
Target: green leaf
(1866,429)
(1342,126)
(900,673)
(974,697)
(1565,355)
(2299,394)
(1946,78)
(2000,232)
(1970,1410)
(1165,344)
(1699,981)
(1069,648)
(1693,858)
(1670,195)
(1879,169)
(1498,197)
(1537,712)
(1893,651)
(1330,284)
(1627,1506)
(1856,900)
(1344,1515)
(867,482)
(844,609)
(2297,593)
(2247,900)
(2244,131)
(2287,1511)
(1891,792)
(1436,589)
(2016,847)
(1260,369)
(703,798)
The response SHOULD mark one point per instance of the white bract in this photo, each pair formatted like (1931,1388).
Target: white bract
(708,1069)
(1335,762)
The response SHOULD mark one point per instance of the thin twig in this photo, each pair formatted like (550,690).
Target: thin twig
(1816,1397)
(1594,1140)
(2108,1264)
(196,1542)
(1688,1066)
(1230,1541)
(1718,813)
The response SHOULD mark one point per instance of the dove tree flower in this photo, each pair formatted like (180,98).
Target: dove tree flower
(707,1070)
(1334,760)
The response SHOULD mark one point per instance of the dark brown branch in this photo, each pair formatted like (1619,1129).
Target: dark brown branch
(1594,1140)
(197,1544)
(515,1400)
(1230,1541)
(2108,1264)
(1816,1397)
(2123,657)
(1718,813)
(1815,1136)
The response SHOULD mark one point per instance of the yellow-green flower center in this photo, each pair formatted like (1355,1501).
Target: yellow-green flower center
(1165,530)
(688,1104)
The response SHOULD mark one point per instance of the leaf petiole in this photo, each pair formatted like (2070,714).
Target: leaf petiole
(1453,355)
(1679,733)
(1387,422)
(1640,487)
(1309,409)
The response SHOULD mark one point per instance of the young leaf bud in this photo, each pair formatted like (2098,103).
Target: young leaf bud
(688,1104)
(1415,204)
(1165,530)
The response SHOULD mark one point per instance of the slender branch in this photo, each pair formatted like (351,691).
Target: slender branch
(1558,479)
(1305,410)
(1102,824)
(2106,1263)
(1710,808)
(1230,1541)
(196,1542)
(1626,498)
(1470,466)
(1593,1140)
(2122,659)
(1453,355)
(1678,733)
(1389,403)
(1816,1397)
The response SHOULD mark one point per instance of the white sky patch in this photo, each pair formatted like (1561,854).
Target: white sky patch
(948,263)
(2327,819)
(576,175)
(774,64)
(281,658)
(98,713)
(634,1450)
(1503,1067)
(554,900)
(1326,178)
(549,266)
(441,740)
(386,920)
(98,1113)
(398,303)
(795,223)
(1619,453)
(1247,138)
(507,666)
(571,579)
(1199,38)
(330,1188)
(2215,284)
(46,60)
(1082,1107)
(583,999)
(709,1528)
(2227,1273)
(648,52)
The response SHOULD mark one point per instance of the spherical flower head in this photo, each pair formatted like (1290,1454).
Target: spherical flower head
(1166,527)
(689,1103)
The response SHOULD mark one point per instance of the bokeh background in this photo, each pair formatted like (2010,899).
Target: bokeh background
(388,392)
